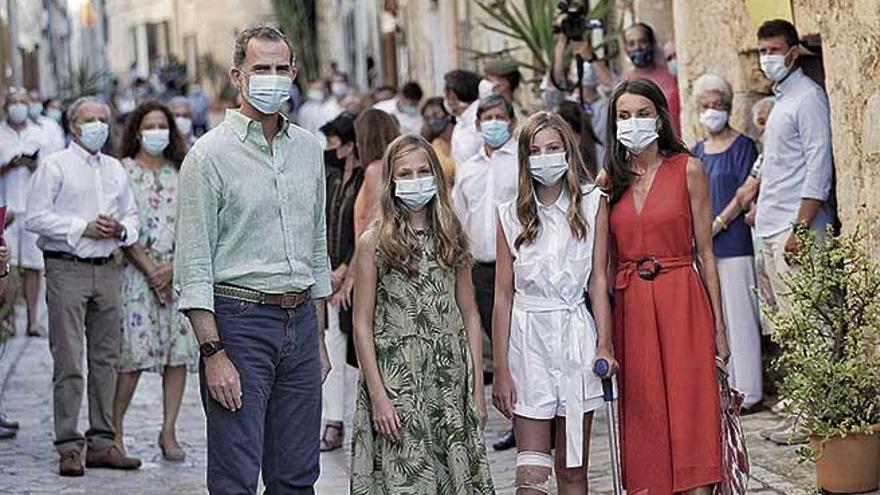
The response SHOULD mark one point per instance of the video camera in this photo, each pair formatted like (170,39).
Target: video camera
(574,21)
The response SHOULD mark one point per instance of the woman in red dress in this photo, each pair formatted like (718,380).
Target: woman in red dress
(668,322)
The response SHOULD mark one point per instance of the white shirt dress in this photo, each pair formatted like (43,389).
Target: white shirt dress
(553,338)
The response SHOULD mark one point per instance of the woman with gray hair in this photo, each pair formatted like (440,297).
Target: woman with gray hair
(728,157)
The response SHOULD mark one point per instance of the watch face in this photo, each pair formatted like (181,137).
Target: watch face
(210,348)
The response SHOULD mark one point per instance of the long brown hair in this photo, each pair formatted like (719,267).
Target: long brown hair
(618,161)
(375,130)
(397,242)
(577,175)
(130,144)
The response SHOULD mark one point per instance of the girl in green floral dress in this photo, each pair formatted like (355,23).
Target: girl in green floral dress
(420,407)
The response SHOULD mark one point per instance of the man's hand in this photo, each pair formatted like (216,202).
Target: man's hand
(223,381)
(342,297)
(792,248)
(109,226)
(582,48)
(93,231)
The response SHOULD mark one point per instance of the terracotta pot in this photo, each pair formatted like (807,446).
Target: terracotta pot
(848,465)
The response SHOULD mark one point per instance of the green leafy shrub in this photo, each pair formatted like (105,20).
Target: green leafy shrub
(829,341)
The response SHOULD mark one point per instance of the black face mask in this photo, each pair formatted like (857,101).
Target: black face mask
(331,159)
(437,124)
(642,58)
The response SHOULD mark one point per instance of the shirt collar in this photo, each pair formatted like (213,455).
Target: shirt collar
(84,154)
(242,124)
(562,202)
(789,82)
(508,148)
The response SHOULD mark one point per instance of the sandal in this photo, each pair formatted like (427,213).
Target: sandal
(326,443)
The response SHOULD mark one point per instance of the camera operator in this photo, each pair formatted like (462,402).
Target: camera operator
(596,80)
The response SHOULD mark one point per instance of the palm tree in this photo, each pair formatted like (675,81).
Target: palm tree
(299,18)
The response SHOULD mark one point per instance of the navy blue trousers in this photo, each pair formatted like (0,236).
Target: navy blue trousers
(278,427)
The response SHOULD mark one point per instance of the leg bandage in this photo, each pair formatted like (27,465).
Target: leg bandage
(533,472)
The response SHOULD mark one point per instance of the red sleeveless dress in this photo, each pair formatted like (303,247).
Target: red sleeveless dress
(664,338)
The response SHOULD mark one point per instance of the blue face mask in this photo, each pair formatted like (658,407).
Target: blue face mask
(93,135)
(495,132)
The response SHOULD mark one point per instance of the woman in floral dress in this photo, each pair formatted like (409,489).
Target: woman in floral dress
(420,407)
(155,337)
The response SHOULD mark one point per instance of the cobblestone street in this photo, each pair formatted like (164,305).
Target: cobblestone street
(28,464)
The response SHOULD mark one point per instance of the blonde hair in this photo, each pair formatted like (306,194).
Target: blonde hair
(578,174)
(397,242)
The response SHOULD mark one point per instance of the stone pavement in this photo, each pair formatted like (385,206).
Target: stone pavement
(28,464)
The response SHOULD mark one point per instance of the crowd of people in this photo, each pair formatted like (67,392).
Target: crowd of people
(389,235)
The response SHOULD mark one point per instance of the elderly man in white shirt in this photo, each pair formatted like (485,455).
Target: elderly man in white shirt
(22,146)
(83,210)
(406,108)
(797,169)
(482,183)
(461,96)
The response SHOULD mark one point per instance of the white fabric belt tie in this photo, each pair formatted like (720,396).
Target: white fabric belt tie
(574,383)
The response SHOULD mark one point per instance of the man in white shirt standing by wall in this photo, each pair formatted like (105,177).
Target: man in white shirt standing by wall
(482,183)
(406,108)
(83,209)
(796,174)
(461,96)
(22,146)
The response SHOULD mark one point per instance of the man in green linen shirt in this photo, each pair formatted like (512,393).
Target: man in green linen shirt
(251,269)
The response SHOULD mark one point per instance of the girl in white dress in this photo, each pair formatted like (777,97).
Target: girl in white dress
(551,248)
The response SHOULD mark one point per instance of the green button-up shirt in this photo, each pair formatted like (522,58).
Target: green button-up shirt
(249,215)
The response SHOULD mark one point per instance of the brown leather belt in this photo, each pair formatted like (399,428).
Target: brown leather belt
(287,300)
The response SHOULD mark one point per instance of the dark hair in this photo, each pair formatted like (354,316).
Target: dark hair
(514,78)
(779,28)
(649,31)
(342,127)
(260,33)
(465,84)
(617,157)
(578,120)
(130,143)
(412,91)
(494,101)
(375,130)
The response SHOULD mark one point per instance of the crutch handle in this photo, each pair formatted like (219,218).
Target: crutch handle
(602,369)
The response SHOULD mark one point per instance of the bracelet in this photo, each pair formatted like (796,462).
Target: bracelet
(722,222)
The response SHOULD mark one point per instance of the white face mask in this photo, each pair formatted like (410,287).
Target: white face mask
(184,125)
(35,110)
(154,141)
(268,92)
(415,193)
(54,114)
(774,67)
(637,134)
(17,113)
(315,95)
(93,135)
(548,169)
(339,89)
(714,120)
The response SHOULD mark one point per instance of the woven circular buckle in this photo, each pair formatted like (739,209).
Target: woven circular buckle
(648,268)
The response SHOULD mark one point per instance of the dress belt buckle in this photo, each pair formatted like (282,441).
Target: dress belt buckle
(290,301)
(648,268)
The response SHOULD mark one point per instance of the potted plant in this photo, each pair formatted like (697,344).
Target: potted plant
(830,358)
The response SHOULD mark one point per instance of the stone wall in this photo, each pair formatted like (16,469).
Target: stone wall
(719,37)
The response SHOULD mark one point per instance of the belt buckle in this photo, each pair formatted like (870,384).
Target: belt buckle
(648,268)
(289,301)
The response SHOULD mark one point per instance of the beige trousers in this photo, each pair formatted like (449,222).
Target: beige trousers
(84,310)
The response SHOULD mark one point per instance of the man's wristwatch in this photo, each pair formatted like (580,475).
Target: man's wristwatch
(123,235)
(210,348)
